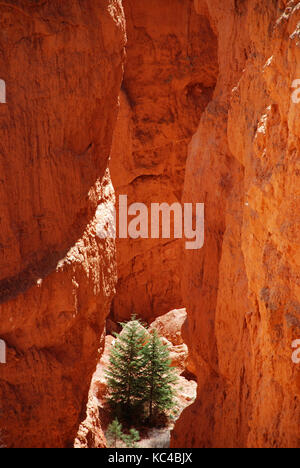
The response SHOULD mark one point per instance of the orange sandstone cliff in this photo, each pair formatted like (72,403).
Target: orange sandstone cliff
(242,289)
(63,66)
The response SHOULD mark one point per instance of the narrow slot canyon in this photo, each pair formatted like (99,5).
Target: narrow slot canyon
(169,78)
(109,109)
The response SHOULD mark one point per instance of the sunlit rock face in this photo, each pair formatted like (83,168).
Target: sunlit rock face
(62,63)
(242,289)
(170,75)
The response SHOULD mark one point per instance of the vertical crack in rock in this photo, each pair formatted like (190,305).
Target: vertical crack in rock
(170,75)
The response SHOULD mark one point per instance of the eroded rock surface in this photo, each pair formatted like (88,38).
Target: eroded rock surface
(63,66)
(169,328)
(170,324)
(170,75)
(242,289)
(91,430)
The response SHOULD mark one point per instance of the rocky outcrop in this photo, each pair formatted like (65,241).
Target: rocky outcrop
(62,63)
(169,328)
(91,430)
(242,290)
(170,75)
(170,325)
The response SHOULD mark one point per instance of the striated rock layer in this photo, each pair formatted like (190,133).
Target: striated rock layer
(63,66)
(242,289)
(170,75)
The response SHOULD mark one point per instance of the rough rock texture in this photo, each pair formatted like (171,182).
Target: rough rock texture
(63,65)
(91,430)
(169,328)
(169,78)
(242,289)
(170,324)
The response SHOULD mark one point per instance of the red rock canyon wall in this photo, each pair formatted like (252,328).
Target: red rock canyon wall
(242,289)
(170,74)
(63,66)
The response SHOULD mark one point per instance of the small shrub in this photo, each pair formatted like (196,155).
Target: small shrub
(131,439)
(114,433)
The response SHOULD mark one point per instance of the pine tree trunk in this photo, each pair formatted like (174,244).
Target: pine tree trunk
(151,391)
(151,408)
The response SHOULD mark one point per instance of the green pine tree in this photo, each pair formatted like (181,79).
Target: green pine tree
(159,377)
(124,373)
(131,439)
(114,433)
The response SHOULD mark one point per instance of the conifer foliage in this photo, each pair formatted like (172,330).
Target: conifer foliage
(114,433)
(158,377)
(139,375)
(125,371)
(131,439)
